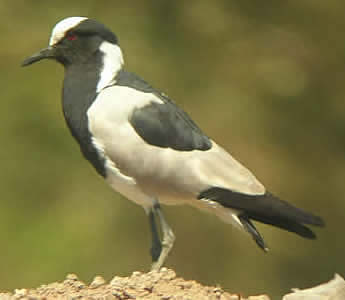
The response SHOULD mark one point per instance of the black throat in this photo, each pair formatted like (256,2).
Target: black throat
(79,92)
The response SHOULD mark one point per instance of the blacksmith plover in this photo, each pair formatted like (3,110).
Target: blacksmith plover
(147,148)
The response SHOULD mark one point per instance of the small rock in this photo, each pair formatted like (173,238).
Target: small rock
(231,297)
(148,288)
(128,295)
(6,296)
(261,297)
(97,281)
(116,280)
(136,273)
(168,274)
(80,284)
(117,294)
(72,277)
(186,285)
(20,292)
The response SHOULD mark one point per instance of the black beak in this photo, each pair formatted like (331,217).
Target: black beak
(48,52)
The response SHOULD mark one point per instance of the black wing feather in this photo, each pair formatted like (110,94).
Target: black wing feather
(163,124)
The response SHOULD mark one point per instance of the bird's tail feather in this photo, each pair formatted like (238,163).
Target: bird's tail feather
(251,229)
(266,209)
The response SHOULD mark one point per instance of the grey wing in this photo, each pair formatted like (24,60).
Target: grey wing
(162,123)
(166,125)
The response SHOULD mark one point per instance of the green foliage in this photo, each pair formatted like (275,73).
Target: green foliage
(264,79)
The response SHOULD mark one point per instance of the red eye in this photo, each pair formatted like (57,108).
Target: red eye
(71,37)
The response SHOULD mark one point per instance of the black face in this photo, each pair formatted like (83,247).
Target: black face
(82,42)
(79,45)
(76,48)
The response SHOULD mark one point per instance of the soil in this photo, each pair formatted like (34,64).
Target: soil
(163,285)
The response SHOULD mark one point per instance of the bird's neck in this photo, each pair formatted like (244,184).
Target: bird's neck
(79,88)
(112,63)
(84,81)
(79,92)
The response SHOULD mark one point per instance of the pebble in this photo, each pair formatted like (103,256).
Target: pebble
(20,292)
(80,284)
(117,280)
(234,297)
(72,277)
(97,281)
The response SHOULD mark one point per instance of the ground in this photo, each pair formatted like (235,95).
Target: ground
(163,285)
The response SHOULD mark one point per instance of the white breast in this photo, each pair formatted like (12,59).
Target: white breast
(115,139)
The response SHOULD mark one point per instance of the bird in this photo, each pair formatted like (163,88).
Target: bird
(148,149)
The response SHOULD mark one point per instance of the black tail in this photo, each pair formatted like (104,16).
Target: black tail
(264,208)
(249,226)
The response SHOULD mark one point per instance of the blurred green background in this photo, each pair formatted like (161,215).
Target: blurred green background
(264,79)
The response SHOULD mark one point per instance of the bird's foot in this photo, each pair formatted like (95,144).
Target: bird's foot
(166,246)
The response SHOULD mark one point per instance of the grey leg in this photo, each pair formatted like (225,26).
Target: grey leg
(168,239)
(156,242)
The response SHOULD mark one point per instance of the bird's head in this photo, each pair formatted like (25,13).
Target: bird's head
(76,40)
(86,45)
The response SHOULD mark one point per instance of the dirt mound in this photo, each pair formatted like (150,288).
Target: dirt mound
(163,285)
